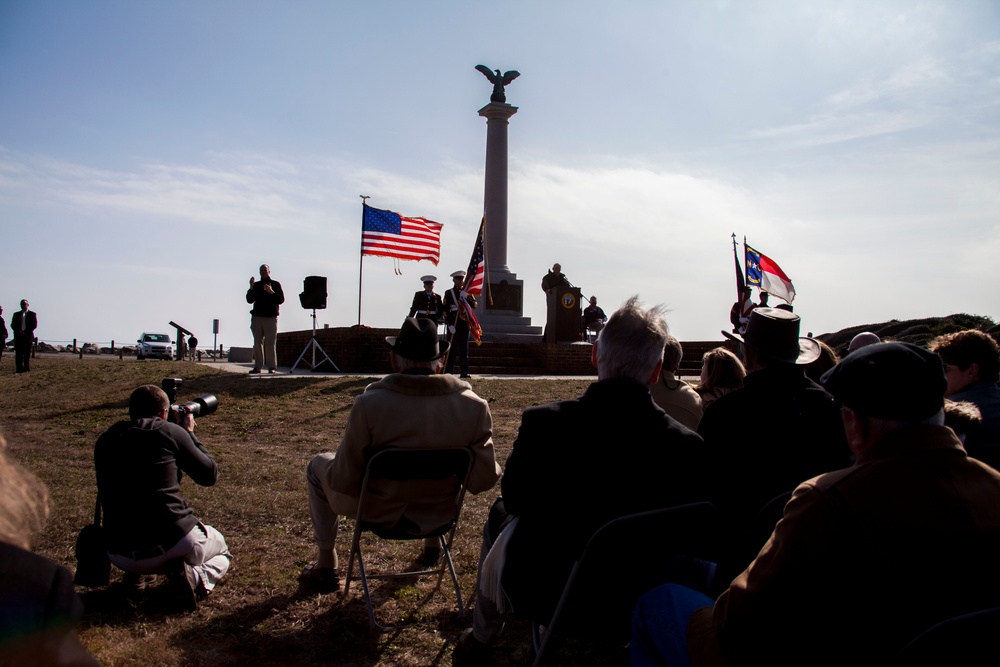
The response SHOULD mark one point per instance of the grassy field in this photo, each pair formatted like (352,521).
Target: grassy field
(264,434)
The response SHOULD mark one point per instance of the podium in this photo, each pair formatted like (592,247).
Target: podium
(564,316)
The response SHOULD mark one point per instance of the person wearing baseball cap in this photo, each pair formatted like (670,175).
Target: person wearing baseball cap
(866,558)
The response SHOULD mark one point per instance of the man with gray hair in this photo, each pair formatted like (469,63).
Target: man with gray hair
(580,463)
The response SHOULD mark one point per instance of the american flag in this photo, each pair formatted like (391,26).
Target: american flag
(391,235)
(477,265)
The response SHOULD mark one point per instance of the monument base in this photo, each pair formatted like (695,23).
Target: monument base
(504,317)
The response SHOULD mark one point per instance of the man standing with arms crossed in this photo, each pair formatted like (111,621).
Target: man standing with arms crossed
(266,296)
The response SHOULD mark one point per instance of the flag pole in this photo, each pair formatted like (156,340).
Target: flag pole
(486,266)
(361,250)
(739,273)
(481,234)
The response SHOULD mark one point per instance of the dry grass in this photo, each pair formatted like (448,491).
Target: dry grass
(263,435)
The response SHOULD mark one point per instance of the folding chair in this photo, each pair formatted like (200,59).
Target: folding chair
(652,548)
(968,639)
(427,478)
(746,544)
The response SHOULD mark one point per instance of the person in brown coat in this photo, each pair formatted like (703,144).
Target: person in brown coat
(864,558)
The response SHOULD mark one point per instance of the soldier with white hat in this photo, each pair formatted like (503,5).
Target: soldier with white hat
(426,303)
(458,325)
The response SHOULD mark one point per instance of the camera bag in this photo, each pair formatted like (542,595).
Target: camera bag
(93,568)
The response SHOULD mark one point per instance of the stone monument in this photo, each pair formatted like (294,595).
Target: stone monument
(504,319)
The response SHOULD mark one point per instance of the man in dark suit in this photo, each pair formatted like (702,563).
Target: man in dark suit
(580,463)
(23,325)
(3,333)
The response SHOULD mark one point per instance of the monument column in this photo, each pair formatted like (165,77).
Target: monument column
(497,117)
(501,307)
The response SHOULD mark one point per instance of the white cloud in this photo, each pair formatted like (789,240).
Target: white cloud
(234,190)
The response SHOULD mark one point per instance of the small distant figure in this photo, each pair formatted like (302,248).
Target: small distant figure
(192,348)
(458,324)
(721,373)
(863,339)
(266,296)
(498,81)
(24,324)
(554,278)
(739,314)
(763,300)
(672,394)
(593,317)
(3,333)
(426,303)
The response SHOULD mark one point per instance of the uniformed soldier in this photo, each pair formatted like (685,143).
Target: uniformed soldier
(426,303)
(458,324)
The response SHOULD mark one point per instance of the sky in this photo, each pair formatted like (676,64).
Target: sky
(154,154)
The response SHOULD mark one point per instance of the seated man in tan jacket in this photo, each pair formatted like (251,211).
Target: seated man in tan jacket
(414,407)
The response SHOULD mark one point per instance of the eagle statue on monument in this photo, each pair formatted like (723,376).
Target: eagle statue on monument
(498,81)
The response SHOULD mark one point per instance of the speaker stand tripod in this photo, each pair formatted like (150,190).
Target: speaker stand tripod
(314,344)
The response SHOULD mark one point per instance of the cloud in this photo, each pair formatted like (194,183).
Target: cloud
(246,191)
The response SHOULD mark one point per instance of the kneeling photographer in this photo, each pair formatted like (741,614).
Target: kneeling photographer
(148,528)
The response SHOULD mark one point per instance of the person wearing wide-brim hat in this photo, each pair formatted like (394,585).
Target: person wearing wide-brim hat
(426,303)
(774,333)
(779,429)
(415,407)
(417,342)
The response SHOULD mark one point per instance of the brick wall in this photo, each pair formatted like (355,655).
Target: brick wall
(363,350)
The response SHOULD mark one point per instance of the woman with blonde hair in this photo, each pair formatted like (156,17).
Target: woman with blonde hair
(38,604)
(721,373)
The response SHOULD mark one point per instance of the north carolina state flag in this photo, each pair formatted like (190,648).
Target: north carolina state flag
(765,274)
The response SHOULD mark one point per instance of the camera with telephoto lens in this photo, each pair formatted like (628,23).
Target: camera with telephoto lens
(201,406)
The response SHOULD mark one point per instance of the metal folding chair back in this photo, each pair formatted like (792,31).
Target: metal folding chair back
(427,478)
(646,549)
(968,639)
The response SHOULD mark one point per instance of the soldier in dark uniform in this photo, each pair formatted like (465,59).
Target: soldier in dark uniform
(458,325)
(426,303)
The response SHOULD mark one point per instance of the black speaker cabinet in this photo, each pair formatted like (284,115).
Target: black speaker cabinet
(313,293)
